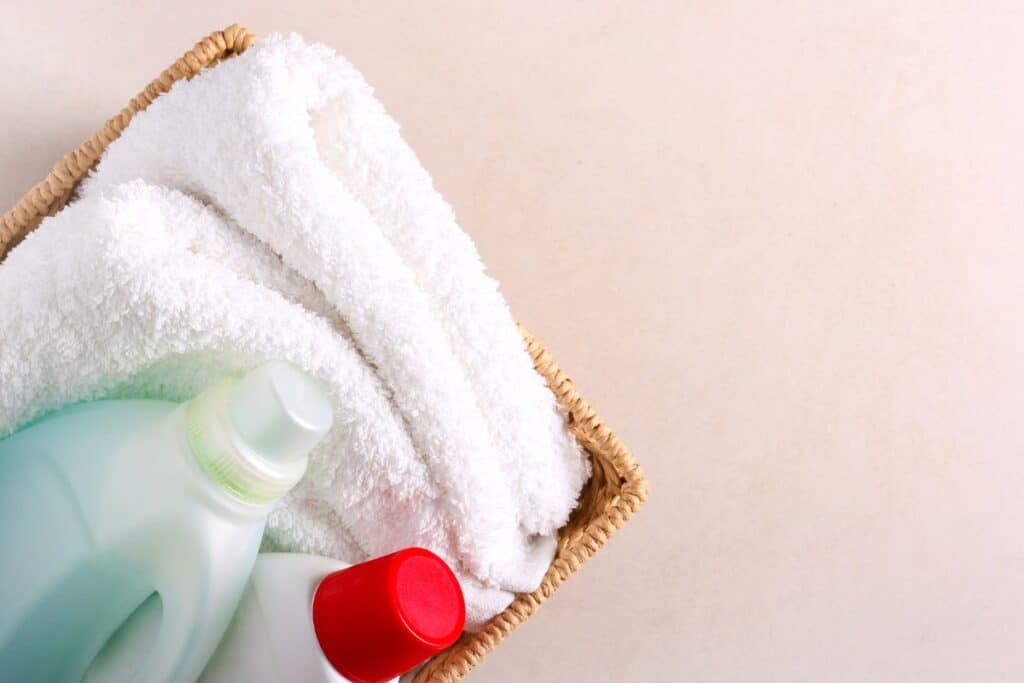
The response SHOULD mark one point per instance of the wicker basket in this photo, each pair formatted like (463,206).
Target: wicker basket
(614,492)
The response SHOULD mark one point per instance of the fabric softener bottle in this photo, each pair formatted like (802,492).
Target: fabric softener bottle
(104,504)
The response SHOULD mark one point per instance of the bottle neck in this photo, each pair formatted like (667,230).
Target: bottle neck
(224,457)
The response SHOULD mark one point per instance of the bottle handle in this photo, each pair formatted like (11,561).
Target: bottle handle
(196,612)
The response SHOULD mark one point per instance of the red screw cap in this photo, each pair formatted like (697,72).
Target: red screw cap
(379,619)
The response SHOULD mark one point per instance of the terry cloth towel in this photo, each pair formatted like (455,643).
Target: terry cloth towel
(268,208)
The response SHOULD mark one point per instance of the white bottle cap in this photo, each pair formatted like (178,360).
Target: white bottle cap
(252,435)
(280,412)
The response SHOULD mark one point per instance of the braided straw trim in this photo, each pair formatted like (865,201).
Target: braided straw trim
(615,491)
(49,196)
(616,488)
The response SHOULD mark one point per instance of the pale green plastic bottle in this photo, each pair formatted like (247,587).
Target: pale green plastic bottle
(104,504)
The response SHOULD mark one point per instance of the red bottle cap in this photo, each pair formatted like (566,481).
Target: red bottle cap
(379,619)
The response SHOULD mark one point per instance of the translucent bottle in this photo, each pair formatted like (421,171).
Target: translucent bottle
(105,504)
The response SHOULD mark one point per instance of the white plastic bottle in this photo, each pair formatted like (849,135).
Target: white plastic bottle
(317,620)
(104,504)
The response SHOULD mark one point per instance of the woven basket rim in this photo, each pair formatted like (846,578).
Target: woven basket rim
(616,489)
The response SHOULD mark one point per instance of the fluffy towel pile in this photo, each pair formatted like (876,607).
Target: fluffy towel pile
(269,209)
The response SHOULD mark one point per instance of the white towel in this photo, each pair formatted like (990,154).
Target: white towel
(268,208)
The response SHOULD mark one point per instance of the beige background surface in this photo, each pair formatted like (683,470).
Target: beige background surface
(778,246)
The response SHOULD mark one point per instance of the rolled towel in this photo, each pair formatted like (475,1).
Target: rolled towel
(312,234)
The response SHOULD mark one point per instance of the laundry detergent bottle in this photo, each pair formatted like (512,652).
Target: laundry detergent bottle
(318,620)
(104,504)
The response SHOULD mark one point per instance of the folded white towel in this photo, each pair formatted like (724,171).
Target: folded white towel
(268,208)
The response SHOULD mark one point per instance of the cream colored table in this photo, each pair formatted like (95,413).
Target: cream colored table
(780,249)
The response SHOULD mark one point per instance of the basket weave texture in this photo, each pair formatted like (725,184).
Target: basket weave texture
(615,490)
